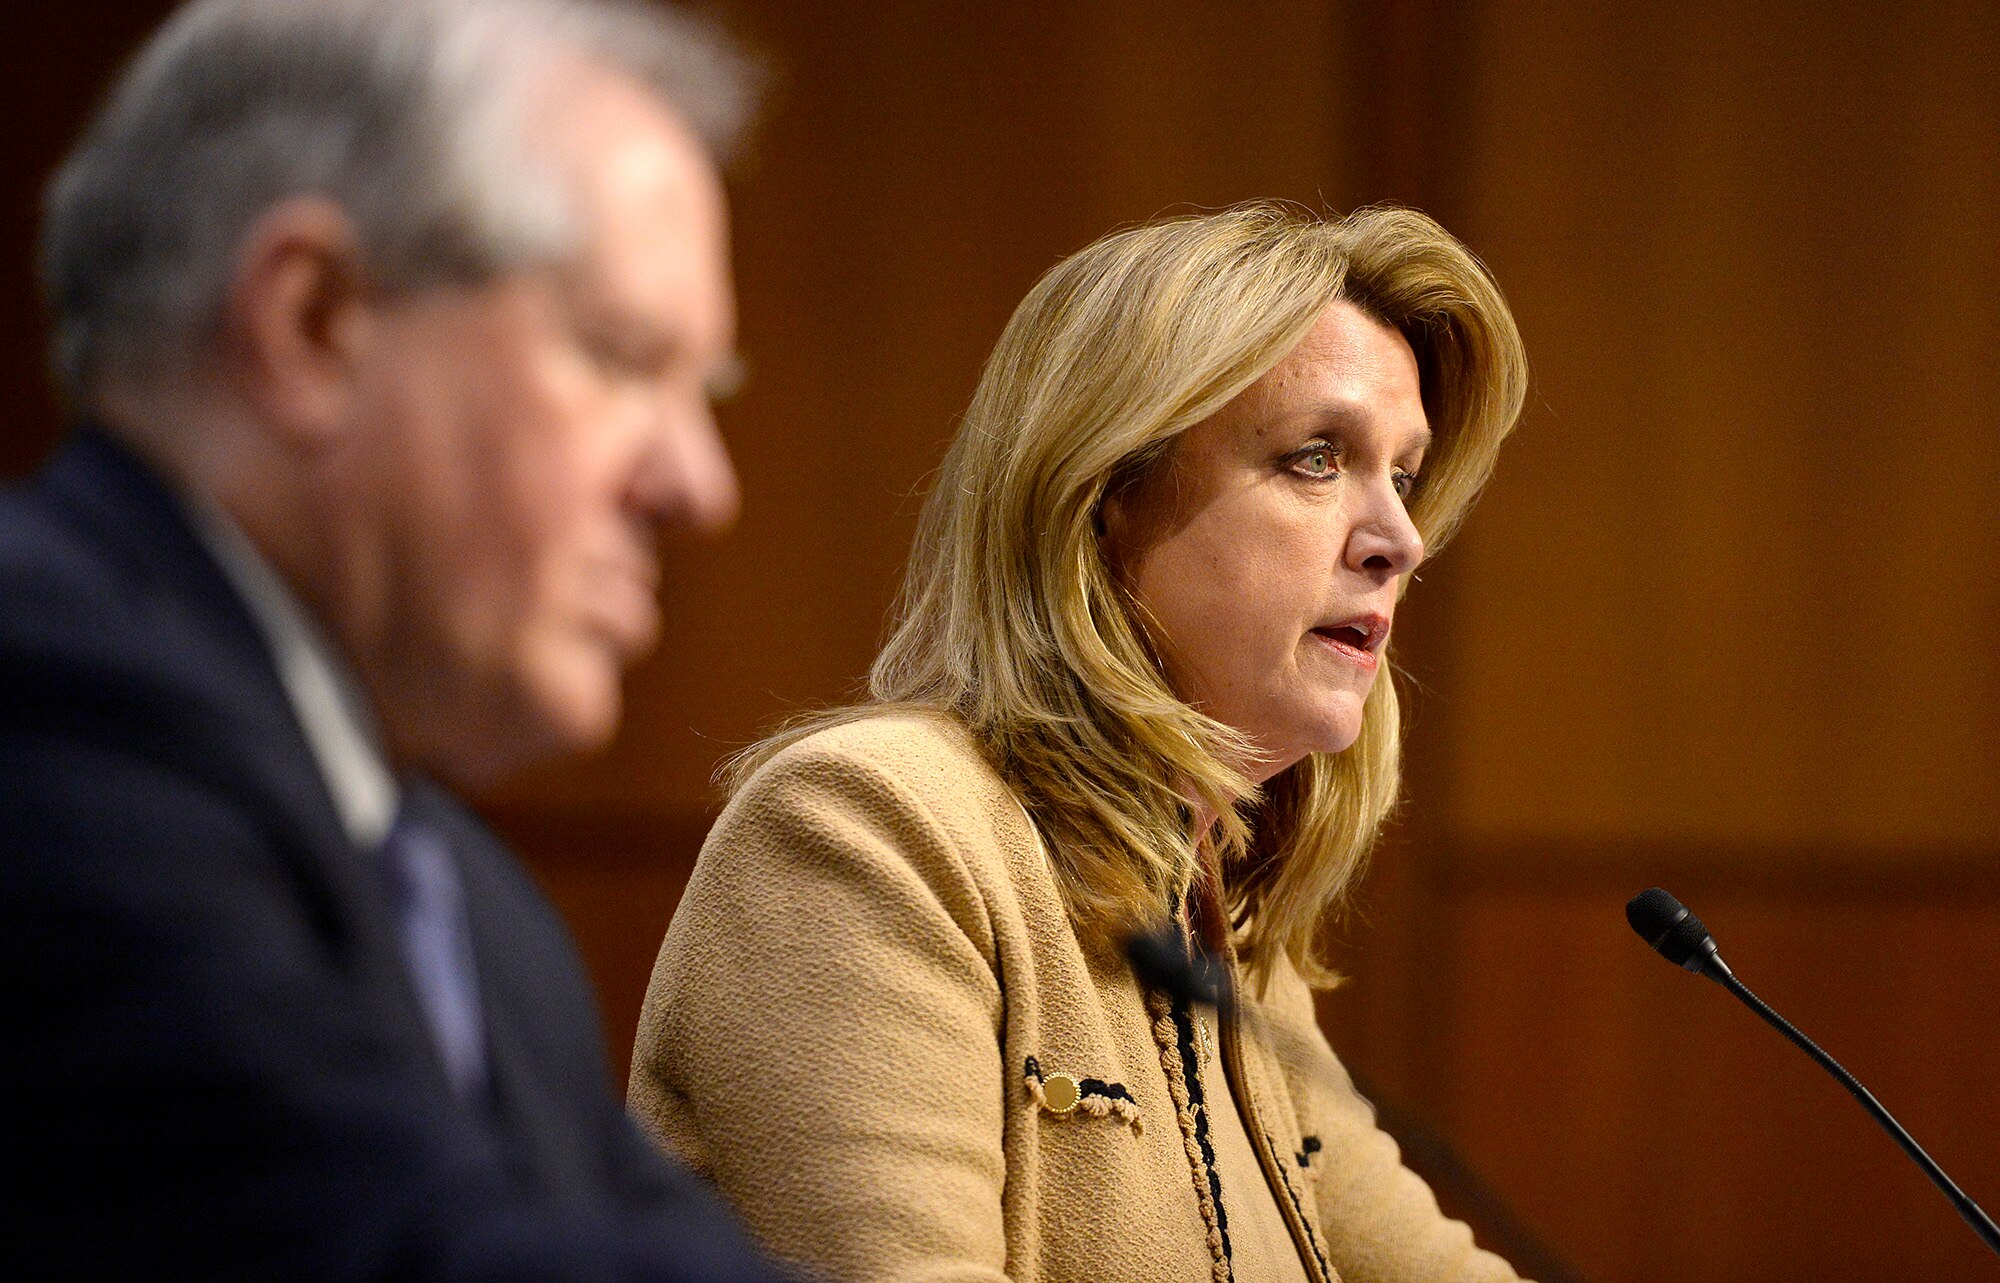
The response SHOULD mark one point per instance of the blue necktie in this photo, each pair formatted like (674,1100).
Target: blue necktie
(436,937)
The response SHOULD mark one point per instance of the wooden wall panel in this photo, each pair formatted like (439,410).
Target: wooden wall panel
(1726,619)
(1737,580)
(1653,1128)
(616,876)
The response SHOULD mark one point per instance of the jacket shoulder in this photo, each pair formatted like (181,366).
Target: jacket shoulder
(47,563)
(901,767)
(913,747)
(78,637)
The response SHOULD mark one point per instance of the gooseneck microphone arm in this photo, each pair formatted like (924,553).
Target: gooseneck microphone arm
(1981,1223)
(1666,924)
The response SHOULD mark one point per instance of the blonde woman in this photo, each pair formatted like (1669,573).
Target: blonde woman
(1139,675)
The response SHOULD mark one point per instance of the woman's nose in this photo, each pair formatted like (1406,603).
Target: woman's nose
(1384,541)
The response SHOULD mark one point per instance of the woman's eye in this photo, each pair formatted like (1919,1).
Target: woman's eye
(1407,484)
(1316,461)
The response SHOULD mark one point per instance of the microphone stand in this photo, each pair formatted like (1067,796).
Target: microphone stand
(1677,935)
(1974,1215)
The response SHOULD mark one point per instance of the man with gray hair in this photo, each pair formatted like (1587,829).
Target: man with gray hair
(391,327)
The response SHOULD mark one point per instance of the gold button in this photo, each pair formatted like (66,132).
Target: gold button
(1059,1093)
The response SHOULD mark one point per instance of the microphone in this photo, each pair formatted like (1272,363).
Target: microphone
(1179,968)
(1190,975)
(1666,924)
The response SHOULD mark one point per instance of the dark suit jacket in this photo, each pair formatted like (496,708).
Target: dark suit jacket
(215,1064)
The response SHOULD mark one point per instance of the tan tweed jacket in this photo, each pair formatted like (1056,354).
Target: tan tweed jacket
(873,1027)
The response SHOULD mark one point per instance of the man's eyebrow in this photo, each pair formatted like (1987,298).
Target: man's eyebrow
(728,377)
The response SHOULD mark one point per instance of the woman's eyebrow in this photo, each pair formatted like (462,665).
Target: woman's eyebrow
(1335,418)
(1346,419)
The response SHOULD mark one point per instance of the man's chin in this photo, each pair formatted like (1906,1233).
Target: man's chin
(580,715)
(540,724)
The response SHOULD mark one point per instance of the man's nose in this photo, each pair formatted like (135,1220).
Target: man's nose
(688,484)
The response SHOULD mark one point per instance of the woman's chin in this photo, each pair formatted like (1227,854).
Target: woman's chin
(1337,727)
(1320,740)
(1340,741)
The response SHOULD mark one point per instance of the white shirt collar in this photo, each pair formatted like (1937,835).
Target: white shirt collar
(324,696)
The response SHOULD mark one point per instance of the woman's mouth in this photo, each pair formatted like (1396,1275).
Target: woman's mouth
(1358,640)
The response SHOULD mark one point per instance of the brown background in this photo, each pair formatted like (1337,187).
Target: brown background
(1726,620)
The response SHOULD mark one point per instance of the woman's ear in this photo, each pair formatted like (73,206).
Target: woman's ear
(1126,515)
(1114,528)
(296,320)
(1141,502)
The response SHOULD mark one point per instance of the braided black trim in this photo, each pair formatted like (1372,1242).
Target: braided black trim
(1197,1102)
(1085,1087)
(1311,1146)
(1088,1087)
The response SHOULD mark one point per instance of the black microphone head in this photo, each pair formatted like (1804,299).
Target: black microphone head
(1162,958)
(1666,924)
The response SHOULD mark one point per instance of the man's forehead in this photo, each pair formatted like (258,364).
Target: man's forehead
(586,114)
(628,156)
(652,223)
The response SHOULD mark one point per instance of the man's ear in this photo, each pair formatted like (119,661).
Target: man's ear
(297,320)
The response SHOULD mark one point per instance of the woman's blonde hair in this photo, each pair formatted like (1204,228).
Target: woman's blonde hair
(1012,620)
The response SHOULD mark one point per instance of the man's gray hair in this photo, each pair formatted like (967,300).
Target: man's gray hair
(406,113)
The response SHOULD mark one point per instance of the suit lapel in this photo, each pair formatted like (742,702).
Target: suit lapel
(225,718)
(239,732)
(532,1102)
